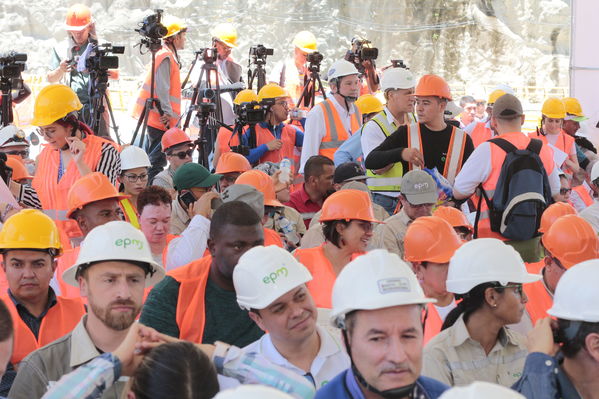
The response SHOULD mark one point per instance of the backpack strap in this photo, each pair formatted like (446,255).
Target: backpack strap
(535,146)
(504,144)
(483,194)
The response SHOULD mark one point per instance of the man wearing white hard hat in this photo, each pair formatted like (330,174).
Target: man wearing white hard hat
(271,285)
(334,120)
(590,213)
(564,353)
(379,306)
(398,86)
(114,266)
(481,389)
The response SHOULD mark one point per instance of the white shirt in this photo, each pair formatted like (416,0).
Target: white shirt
(477,169)
(190,245)
(315,129)
(591,215)
(330,360)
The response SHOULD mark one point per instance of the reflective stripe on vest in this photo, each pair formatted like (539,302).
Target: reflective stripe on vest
(391,179)
(58,321)
(336,133)
(584,195)
(455,150)
(129,212)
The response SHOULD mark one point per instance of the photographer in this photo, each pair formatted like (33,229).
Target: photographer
(363,56)
(275,139)
(167,89)
(81,31)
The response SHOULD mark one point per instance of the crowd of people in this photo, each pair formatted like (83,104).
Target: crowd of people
(383,246)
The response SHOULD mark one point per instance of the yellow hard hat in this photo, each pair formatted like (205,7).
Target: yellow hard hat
(495,94)
(174,25)
(30,229)
(53,103)
(305,41)
(573,109)
(225,33)
(368,104)
(245,96)
(272,90)
(554,108)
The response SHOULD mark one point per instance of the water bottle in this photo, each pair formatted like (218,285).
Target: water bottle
(285,168)
(286,227)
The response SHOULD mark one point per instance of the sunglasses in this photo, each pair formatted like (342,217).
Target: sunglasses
(23,154)
(181,154)
(564,191)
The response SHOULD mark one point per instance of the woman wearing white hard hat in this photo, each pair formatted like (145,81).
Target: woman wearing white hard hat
(481,389)
(133,179)
(475,344)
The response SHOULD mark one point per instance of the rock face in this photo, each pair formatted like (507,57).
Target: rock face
(472,43)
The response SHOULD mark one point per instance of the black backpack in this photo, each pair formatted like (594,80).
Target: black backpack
(521,195)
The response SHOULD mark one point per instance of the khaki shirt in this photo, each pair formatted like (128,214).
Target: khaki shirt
(454,358)
(390,236)
(179,218)
(293,216)
(45,366)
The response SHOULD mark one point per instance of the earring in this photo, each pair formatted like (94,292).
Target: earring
(494,305)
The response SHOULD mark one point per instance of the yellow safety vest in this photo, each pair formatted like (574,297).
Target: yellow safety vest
(391,179)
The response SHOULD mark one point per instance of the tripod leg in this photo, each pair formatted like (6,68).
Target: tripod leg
(112,120)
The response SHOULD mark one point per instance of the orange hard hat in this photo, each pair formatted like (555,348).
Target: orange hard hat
(79,16)
(453,216)
(554,212)
(261,182)
(348,205)
(173,137)
(19,170)
(91,188)
(571,240)
(430,239)
(432,86)
(230,162)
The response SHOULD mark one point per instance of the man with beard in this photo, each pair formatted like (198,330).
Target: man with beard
(114,266)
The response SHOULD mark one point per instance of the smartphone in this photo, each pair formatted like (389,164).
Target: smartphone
(188,198)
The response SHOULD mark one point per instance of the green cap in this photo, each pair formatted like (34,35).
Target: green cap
(194,175)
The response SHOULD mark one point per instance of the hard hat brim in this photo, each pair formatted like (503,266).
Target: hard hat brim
(69,275)
(307,50)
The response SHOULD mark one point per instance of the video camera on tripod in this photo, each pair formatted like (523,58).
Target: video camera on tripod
(250,114)
(208,54)
(257,57)
(151,27)
(312,85)
(11,66)
(361,51)
(100,60)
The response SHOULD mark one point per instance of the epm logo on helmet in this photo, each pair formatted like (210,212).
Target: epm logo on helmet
(272,277)
(127,242)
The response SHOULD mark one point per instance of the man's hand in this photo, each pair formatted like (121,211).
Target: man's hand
(203,206)
(540,338)
(130,352)
(165,120)
(274,145)
(413,156)
(77,148)
(65,66)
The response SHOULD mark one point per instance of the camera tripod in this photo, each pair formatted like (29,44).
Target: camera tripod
(259,74)
(98,84)
(6,110)
(312,85)
(142,124)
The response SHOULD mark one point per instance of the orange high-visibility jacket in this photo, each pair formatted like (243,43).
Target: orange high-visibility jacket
(480,134)
(336,133)
(263,136)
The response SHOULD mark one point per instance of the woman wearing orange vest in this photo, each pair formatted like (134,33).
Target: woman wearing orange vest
(133,179)
(429,244)
(347,220)
(567,242)
(30,242)
(72,151)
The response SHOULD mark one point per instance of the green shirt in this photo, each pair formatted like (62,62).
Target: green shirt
(78,81)
(225,320)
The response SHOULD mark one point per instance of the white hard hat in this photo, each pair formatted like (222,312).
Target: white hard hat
(595,171)
(481,389)
(486,260)
(253,392)
(375,280)
(11,136)
(115,241)
(341,68)
(452,110)
(134,157)
(576,295)
(507,89)
(264,274)
(397,78)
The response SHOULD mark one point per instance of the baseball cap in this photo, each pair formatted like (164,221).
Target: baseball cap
(245,193)
(348,171)
(507,107)
(194,175)
(419,188)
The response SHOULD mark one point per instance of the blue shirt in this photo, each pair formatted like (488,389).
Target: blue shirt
(544,378)
(345,386)
(350,150)
(258,152)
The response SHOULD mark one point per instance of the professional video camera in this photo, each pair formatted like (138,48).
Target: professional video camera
(250,114)
(259,52)
(315,58)
(99,58)
(361,51)
(208,55)
(151,27)
(398,64)
(257,56)
(11,66)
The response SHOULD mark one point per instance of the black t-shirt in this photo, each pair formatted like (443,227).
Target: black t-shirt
(435,146)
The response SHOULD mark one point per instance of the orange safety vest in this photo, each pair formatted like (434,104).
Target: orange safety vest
(191,311)
(336,133)
(59,321)
(455,151)
(564,142)
(271,237)
(130,212)
(323,275)
(174,91)
(480,134)
(53,192)
(539,300)
(520,141)
(225,139)
(584,195)
(263,136)
(433,323)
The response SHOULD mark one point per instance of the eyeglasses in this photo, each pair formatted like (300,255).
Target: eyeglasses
(283,104)
(132,178)
(46,132)
(518,288)
(181,154)
(23,154)
(230,178)
(564,191)
(557,263)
